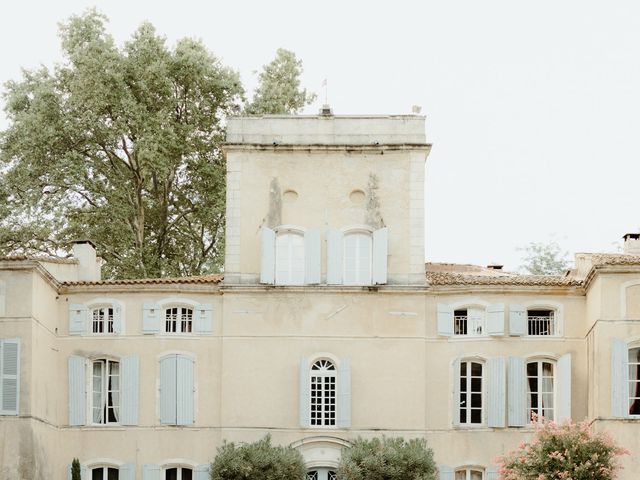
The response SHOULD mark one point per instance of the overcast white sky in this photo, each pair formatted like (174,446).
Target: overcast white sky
(533,108)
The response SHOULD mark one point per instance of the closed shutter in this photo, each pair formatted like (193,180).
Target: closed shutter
(150,472)
(267,256)
(129,367)
(77,389)
(445,472)
(495,319)
(168,390)
(127,472)
(493,473)
(312,257)
(334,257)
(10,376)
(517,393)
(563,388)
(201,472)
(204,318)
(117,318)
(456,393)
(517,320)
(150,318)
(619,378)
(77,319)
(380,252)
(344,393)
(184,390)
(496,392)
(445,320)
(304,396)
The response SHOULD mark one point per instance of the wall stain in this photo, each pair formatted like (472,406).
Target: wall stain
(274,217)
(372,216)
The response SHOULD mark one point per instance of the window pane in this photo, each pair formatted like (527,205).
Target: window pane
(290,259)
(186,474)
(476,475)
(97,473)
(532,369)
(112,474)
(476,369)
(461,475)
(476,416)
(171,474)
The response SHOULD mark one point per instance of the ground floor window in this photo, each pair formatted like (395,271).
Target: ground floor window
(178,473)
(104,473)
(321,474)
(469,474)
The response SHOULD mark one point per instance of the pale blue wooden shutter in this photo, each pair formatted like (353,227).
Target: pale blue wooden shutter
(77,319)
(304,388)
(151,317)
(495,319)
(10,374)
(117,318)
(456,393)
(335,267)
(344,393)
(204,318)
(184,390)
(563,388)
(517,393)
(150,472)
(496,392)
(445,472)
(201,472)
(312,257)
(380,253)
(517,320)
(267,256)
(129,368)
(127,472)
(619,378)
(492,473)
(168,390)
(77,389)
(445,320)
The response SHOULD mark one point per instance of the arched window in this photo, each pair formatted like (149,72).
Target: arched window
(357,258)
(540,390)
(322,474)
(470,401)
(102,320)
(105,392)
(469,474)
(178,320)
(178,473)
(104,473)
(634,381)
(290,260)
(323,393)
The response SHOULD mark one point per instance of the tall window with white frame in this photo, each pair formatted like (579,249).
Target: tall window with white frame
(470,402)
(104,473)
(323,393)
(357,258)
(468,321)
(178,473)
(290,259)
(178,320)
(540,390)
(541,322)
(105,398)
(469,474)
(102,320)
(634,381)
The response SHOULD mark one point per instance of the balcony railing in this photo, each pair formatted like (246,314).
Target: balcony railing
(463,325)
(541,325)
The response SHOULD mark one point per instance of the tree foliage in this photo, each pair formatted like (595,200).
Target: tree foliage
(388,459)
(75,470)
(257,461)
(279,89)
(544,259)
(566,451)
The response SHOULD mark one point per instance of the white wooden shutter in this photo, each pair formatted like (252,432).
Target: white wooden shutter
(456,393)
(380,252)
(204,318)
(445,320)
(77,319)
(496,392)
(267,256)
(344,393)
(184,390)
(445,472)
(517,320)
(168,390)
(495,319)
(312,257)
(619,378)
(10,376)
(335,267)
(493,473)
(517,393)
(129,371)
(201,472)
(151,317)
(304,396)
(150,472)
(117,318)
(563,388)
(127,472)
(77,389)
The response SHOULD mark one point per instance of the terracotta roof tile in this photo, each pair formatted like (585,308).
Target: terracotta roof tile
(615,259)
(444,278)
(22,258)
(203,279)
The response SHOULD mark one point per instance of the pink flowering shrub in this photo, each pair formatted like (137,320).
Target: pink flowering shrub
(567,451)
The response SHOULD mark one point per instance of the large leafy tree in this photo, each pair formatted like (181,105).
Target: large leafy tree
(544,259)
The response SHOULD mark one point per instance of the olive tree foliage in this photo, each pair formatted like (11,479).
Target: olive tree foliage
(257,461)
(279,90)
(544,259)
(76,473)
(387,459)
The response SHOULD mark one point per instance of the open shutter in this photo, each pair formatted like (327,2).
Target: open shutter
(10,375)
(380,252)
(445,472)
(445,320)
(127,472)
(304,393)
(495,319)
(150,472)
(267,256)
(496,392)
(77,319)
(184,390)
(517,393)
(117,318)
(517,320)
(476,320)
(563,388)
(84,473)
(129,367)
(168,390)
(493,473)
(619,378)
(344,393)
(335,241)
(456,393)
(150,317)
(201,472)
(77,389)
(204,318)
(312,257)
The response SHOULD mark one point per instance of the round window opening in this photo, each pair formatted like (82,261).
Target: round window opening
(357,197)
(290,196)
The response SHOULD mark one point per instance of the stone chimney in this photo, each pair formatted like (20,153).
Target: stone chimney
(631,243)
(89,266)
